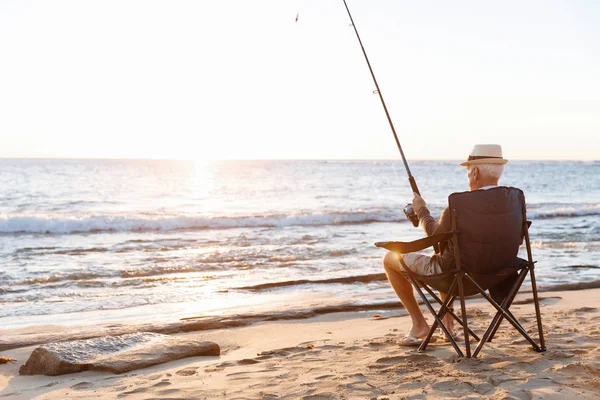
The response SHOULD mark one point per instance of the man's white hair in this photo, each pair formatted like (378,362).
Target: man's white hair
(490,170)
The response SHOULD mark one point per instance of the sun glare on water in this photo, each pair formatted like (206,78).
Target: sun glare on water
(202,179)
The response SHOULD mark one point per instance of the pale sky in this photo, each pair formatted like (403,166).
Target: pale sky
(241,80)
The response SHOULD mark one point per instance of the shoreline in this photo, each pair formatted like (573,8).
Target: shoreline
(356,355)
(31,336)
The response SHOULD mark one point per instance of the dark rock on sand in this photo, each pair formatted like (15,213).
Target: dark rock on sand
(116,354)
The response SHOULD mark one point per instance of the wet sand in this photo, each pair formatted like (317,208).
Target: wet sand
(356,355)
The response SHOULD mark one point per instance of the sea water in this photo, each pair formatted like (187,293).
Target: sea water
(91,241)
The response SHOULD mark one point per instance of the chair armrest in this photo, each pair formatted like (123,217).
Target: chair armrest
(416,245)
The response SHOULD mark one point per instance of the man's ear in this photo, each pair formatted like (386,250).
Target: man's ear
(475,173)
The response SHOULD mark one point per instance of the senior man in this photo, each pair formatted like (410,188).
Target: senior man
(484,168)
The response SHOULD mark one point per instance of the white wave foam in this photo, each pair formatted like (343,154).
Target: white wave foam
(92,224)
(60,224)
(556,245)
(565,211)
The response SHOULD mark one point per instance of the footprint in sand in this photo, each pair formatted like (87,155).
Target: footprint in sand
(283,352)
(582,351)
(265,357)
(357,377)
(558,355)
(187,371)
(412,357)
(452,386)
(267,396)
(247,361)
(51,384)
(82,386)
(252,372)
(166,392)
(134,391)
(581,368)
(505,381)
(313,341)
(324,377)
(585,309)
(162,383)
(224,365)
(330,347)
(377,344)
(321,396)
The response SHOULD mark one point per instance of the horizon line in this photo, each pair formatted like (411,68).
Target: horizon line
(276,159)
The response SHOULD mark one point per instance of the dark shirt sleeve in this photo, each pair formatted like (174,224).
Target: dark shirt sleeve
(433,227)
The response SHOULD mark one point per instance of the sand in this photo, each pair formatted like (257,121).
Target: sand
(357,356)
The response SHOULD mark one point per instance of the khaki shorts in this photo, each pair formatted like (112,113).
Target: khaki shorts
(421,264)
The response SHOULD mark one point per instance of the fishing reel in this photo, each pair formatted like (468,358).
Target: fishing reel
(411,215)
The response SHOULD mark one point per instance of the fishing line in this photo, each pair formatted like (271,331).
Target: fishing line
(413,184)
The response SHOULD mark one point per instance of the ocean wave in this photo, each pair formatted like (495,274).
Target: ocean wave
(60,224)
(578,267)
(144,272)
(75,276)
(100,224)
(215,261)
(94,279)
(565,245)
(344,280)
(140,279)
(559,211)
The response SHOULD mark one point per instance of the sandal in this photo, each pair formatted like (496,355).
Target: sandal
(411,341)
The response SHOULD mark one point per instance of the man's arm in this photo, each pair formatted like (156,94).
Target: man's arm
(429,224)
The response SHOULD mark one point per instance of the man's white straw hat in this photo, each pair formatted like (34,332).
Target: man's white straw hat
(485,154)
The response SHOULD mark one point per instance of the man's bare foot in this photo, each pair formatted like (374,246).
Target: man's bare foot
(419,332)
(449,324)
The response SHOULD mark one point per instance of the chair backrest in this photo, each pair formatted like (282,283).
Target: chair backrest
(491,225)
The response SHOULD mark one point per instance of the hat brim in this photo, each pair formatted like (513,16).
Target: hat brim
(484,161)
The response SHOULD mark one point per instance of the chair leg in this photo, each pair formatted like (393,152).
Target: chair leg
(444,309)
(418,284)
(441,313)
(450,310)
(510,318)
(498,318)
(461,294)
(437,319)
(487,334)
(508,301)
(538,315)
(506,315)
(536,302)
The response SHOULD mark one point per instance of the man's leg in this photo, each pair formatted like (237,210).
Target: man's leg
(448,320)
(404,290)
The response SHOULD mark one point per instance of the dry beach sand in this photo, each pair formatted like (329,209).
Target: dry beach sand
(356,356)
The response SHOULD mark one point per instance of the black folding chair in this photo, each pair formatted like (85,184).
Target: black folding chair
(488,226)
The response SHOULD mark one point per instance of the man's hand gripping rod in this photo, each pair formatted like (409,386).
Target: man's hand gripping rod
(408,210)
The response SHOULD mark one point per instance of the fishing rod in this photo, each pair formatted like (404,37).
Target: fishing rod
(410,214)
